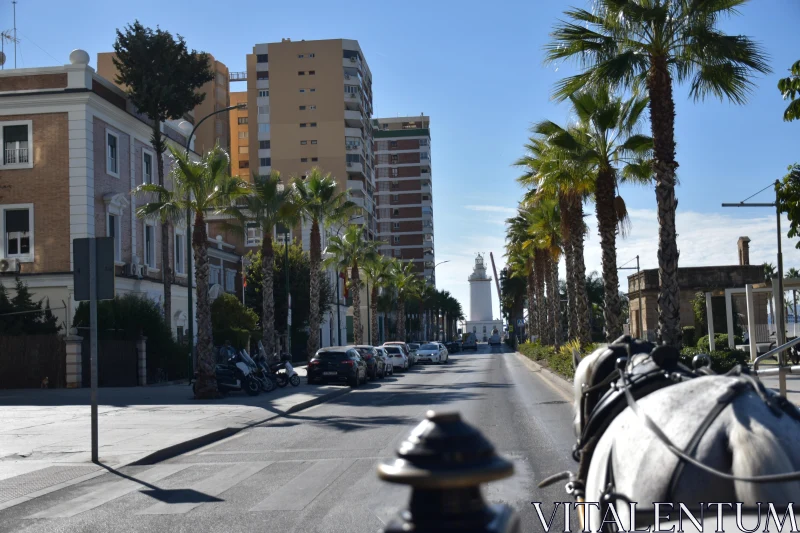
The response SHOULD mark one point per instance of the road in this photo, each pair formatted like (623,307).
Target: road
(316,470)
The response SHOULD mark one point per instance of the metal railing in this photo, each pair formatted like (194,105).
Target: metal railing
(782,368)
(14,156)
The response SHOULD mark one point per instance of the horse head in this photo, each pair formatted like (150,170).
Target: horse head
(585,376)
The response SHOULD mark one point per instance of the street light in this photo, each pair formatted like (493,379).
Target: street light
(184,126)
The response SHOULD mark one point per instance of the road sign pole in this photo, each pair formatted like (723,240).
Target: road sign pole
(93,340)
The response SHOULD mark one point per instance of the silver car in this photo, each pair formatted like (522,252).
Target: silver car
(432,352)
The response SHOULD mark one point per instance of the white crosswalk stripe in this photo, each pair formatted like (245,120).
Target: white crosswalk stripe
(211,486)
(306,486)
(108,491)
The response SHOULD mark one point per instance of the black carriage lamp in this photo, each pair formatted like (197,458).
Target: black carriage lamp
(445,460)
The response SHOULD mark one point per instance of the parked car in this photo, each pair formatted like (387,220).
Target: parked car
(452,346)
(494,340)
(412,359)
(380,352)
(399,357)
(432,352)
(413,347)
(376,367)
(337,363)
(470,342)
(446,351)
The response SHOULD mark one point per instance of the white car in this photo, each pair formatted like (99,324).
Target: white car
(389,366)
(398,356)
(432,352)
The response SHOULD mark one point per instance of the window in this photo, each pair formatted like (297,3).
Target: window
(263,110)
(244,164)
(303,142)
(423,142)
(395,212)
(304,160)
(425,198)
(396,239)
(312,90)
(314,159)
(244,134)
(395,225)
(147,167)
(263,128)
(311,54)
(214,275)
(254,235)
(395,198)
(395,159)
(395,184)
(263,75)
(302,108)
(299,56)
(262,58)
(17,224)
(263,145)
(302,124)
(392,144)
(312,108)
(180,253)
(244,149)
(265,161)
(313,142)
(301,73)
(394,172)
(351,89)
(302,90)
(112,154)
(311,72)
(313,124)
(150,246)
(263,93)
(114,231)
(230,280)
(423,155)
(17,139)
(242,120)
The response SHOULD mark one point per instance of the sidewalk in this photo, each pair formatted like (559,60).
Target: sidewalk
(792,386)
(51,428)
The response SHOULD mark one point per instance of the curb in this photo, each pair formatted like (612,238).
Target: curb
(220,434)
(558,382)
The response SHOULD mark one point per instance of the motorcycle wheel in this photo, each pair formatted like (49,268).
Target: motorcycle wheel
(268,385)
(281,381)
(295,380)
(252,387)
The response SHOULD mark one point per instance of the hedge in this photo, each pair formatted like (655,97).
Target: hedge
(720,342)
(721,360)
(559,361)
(689,336)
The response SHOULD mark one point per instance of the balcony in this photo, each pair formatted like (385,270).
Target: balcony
(426,203)
(355,168)
(427,228)
(429,257)
(351,62)
(352,119)
(356,186)
(354,132)
(15,156)
(352,147)
(353,100)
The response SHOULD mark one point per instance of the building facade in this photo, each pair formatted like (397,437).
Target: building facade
(240,137)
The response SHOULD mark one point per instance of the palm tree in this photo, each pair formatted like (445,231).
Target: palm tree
(606,139)
(521,260)
(267,204)
(404,279)
(349,252)
(544,217)
(318,203)
(634,43)
(379,275)
(197,187)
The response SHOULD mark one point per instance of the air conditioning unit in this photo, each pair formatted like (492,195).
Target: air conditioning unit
(353,59)
(8,266)
(141,271)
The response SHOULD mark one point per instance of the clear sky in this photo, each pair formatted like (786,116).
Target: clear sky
(477,69)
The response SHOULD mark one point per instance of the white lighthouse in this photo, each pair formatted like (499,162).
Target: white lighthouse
(480,303)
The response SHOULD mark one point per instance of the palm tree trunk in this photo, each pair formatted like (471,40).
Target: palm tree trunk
(530,289)
(569,259)
(607,226)
(541,308)
(401,318)
(576,234)
(373,316)
(206,386)
(315,253)
(355,284)
(268,294)
(555,303)
(662,123)
(544,307)
(166,265)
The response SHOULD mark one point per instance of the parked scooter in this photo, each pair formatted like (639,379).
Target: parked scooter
(260,372)
(282,370)
(233,375)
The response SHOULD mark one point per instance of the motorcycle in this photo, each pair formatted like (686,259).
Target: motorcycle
(233,375)
(283,371)
(260,372)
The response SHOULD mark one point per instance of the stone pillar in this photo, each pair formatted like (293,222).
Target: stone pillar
(141,348)
(74,366)
(744,251)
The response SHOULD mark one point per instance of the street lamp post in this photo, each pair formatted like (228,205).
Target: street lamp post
(190,298)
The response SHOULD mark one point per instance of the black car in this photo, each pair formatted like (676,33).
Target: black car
(337,364)
(452,346)
(376,365)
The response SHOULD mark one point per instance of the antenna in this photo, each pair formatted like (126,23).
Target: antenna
(14,2)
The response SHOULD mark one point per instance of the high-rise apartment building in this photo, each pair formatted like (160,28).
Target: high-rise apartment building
(215,130)
(309,105)
(404,197)
(240,137)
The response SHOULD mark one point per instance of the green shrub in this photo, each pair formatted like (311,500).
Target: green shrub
(721,360)
(232,321)
(689,336)
(559,361)
(720,342)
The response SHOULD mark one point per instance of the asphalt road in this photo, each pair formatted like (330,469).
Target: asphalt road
(316,470)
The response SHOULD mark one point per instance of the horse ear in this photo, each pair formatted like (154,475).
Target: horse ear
(576,359)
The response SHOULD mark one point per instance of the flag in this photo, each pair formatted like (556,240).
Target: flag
(244,280)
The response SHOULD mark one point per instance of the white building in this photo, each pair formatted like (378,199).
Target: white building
(480,320)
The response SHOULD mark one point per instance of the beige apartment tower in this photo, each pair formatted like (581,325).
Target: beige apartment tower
(309,105)
(404,197)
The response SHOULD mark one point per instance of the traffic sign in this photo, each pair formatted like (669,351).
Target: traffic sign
(520,322)
(103,268)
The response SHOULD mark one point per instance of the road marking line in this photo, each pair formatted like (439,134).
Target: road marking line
(208,488)
(305,487)
(106,492)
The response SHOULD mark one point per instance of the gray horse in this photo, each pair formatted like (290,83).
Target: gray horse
(746,438)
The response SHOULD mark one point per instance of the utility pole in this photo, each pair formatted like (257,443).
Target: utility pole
(14,2)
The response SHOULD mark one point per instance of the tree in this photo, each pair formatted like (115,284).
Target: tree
(197,187)
(790,90)
(232,321)
(379,276)
(21,315)
(267,204)
(161,77)
(319,203)
(348,252)
(545,222)
(521,260)
(404,278)
(635,43)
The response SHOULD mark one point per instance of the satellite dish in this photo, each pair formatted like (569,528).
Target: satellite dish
(2,58)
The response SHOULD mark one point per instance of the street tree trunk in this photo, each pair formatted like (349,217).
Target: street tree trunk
(206,385)
(166,264)
(355,286)
(662,123)
(268,293)
(530,290)
(315,254)
(607,225)
(555,303)
(401,318)
(373,316)
(544,307)
(541,307)
(569,258)
(576,235)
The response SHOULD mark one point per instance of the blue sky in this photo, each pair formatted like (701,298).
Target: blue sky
(476,68)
